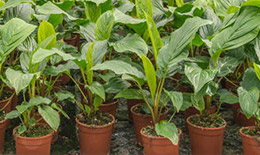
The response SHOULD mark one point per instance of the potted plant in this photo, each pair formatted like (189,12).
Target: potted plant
(249,103)
(155,98)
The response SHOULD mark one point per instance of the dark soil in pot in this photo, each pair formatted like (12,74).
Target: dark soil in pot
(250,140)
(193,111)
(36,140)
(95,133)
(141,119)
(206,135)
(157,145)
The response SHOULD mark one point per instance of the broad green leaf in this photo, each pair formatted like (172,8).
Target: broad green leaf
(55,106)
(64,95)
(42,54)
(46,30)
(119,67)
(126,6)
(55,19)
(36,101)
(154,35)
(97,102)
(227,65)
(131,43)
(179,3)
(197,76)
(90,64)
(176,98)
(55,71)
(21,129)
(104,26)
(248,100)
(97,2)
(92,11)
(180,39)
(13,33)
(14,3)
(244,30)
(98,89)
(49,8)
(221,6)
(18,80)
(50,116)
(250,79)
(232,9)
(227,97)
(2,3)
(130,94)
(115,85)
(150,74)
(13,114)
(88,32)
(143,6)
(168,130)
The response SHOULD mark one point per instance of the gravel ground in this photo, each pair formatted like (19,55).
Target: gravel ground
(123,138)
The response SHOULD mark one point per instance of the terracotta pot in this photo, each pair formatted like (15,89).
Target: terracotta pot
(109,108)
(3,126)
(95,139)
(205,141)
(250,143)
(159,145)
(193,111)
(240,118)
(32,146)
(130,103)
(142,120)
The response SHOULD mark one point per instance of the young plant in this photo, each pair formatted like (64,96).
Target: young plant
(154,75)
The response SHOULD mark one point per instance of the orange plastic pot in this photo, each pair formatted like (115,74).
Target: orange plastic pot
(130,103)
(159,145)
(95,140)
(109,108)
(3,126)
(250,143)
(32,146)
(143,120)
(205,141)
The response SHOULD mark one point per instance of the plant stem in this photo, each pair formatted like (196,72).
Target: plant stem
(231,82)
(9,101)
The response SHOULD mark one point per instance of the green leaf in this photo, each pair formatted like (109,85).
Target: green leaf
(227,97)
(227,65)
(49,8)
(244,30)
(221,6)
(97,102)
(90,63)
(252,3)
(13,33)
(36,101)
(250,79)
(104,26)
(21,129)
(46,30)
(232,9)
(143,6)
(55,71)
(92,11)
(131,43)
(115,85)
(168,130)
(64,95)
(248,100)
(126,6)
(50,116)
(97,2)
(22,108)
(257,70)
(97,88)
(55,106)
(119,67)
(13,114)
(180,39)
(18,80)
(42,54)
(176,98)
(14,3)
(150,74)
(197,76)
(154,34)
(130,94)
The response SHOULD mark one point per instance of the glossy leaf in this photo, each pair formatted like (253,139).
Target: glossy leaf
(248,100)
(150,74)
(115,85)
(130,94)
(92,11)
(98,89)
(104,26)
(131,43)
(143,6)
(36,101)
(46,30)
(13,114)
(176,98)
(50,116)
(14,3)
(90,63)
(257,70)
(168,130)
(250,79)
(227,97)
(64,95)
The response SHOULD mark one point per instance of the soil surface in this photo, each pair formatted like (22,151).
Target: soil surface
(37,131)
(123,140)
(97,119)
(207,122)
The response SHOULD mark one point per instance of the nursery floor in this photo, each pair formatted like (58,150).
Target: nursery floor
(123,138)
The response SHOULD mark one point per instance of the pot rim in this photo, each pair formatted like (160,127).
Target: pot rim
(245,135)
(32,138)
(158,138)
(110,103)
(205,128)
(96,127)
(3,121)
(145,115)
